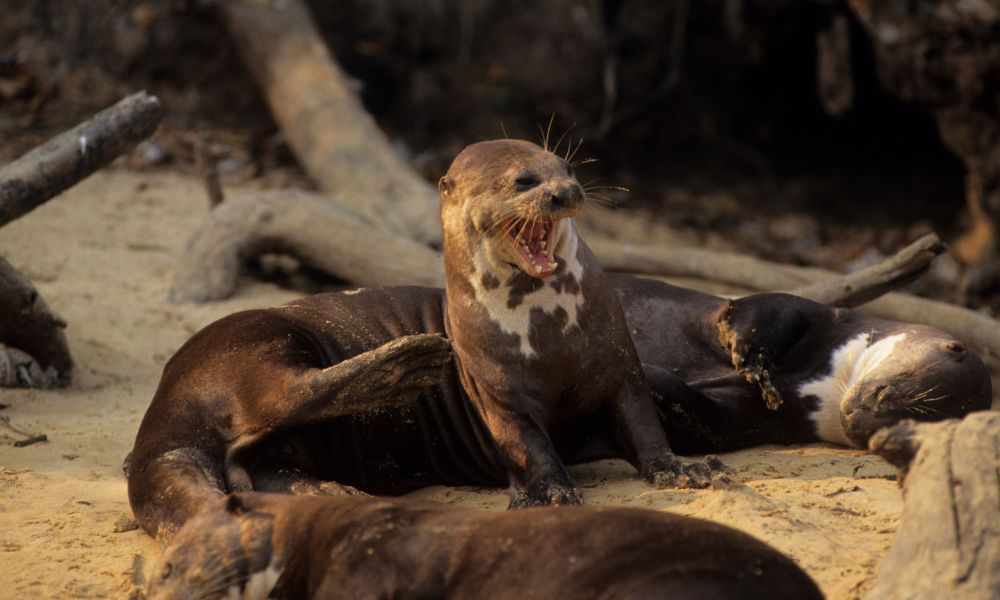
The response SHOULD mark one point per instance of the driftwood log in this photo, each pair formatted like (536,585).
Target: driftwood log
(948,541)
(33,349)
(73,155)
(309,226)
(332,135)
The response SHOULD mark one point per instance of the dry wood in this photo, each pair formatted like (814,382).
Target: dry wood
(72,155)
(328,129)
(977,329)
(948,541)
(306,225)
(29,325)
(864,285)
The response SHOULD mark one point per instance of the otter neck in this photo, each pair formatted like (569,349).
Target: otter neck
(480,280)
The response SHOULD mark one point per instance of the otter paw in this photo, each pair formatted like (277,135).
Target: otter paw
(671,472)
(551,495)
(663,472)
(759,369)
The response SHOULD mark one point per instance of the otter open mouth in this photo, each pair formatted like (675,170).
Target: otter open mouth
(533,244)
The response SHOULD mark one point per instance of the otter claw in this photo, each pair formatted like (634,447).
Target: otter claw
(671,472)
(553,495)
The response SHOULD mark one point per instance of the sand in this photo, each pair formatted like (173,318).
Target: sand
(101,256)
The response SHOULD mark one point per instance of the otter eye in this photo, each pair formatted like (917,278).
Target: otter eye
(570,170)
(167,569)
(525,181)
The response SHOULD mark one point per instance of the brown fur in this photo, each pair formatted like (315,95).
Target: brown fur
(533,358)
(351,547)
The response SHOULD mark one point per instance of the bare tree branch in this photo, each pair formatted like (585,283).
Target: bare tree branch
(309,226)
(330,132)
(73,155)
(948,541)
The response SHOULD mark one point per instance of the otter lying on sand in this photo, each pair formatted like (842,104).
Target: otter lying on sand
(277,546)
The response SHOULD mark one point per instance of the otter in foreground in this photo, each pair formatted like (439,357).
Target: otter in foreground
(543,366)
(277,546)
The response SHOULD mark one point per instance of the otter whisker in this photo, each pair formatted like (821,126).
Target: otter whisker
(570,155)
(504,130)
(555,150)
(926,392)
(495,225)
(546,132)
(517,238)
(616,188)
(584,161)
(600,201)
(935,399)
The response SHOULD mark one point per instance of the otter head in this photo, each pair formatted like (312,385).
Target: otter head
(507,206)
(918,374)
(222,552)
(931,378)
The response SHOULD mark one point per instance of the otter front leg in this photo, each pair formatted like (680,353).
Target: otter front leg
(755,331)
(537,475)
(641,433)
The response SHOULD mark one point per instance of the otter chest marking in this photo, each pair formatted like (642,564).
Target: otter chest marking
(849,365)
(549,299)
(258,586)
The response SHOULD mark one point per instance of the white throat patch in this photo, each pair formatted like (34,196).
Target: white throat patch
(258,586)
(517,320)
(849,365)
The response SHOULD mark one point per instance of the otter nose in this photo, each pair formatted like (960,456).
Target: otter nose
(568,195)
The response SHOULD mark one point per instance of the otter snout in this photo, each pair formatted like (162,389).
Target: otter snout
(565,196)
(928,378)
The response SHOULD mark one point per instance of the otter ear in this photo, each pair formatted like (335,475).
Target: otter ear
(235,506)
(446,185)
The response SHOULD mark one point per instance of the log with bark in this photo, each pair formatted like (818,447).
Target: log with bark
(948,541)
(33,348)
(332,135)
(61,162)
(308,226)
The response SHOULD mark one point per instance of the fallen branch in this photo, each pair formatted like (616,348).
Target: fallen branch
(29,326)
(73,155)
(41,437)
(948,541)
(977,329)
(328,129)
(309,226)
(865,285)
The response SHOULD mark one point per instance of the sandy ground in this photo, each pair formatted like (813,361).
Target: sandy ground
(101,256)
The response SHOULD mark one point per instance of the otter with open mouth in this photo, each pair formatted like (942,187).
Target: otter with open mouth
(359,388)
(540,339)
